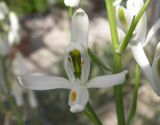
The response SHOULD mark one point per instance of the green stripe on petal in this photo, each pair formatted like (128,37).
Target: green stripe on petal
(76,59)
(122,17)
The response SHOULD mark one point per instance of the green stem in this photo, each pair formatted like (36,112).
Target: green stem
(10,99)
(129,34)
(135,95)
(2,107)
(70,12)
(90,113)
(117,62)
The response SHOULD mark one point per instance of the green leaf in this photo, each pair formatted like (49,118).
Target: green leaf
(98,61)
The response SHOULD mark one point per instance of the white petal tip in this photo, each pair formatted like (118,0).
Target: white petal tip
(77,108)
(71,3)
(80,11)
(158,46)
(126,73)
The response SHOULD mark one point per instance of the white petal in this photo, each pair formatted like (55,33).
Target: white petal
(117,2)
(4,48)
(157,54)
(32,99)
(156,74)
(152,32)
(43,82)
(13,36)
(14,24)
(134,6)
(85,63)
(107,80)
(68,64)
(71,3)
(141,30)
(19,65)
(78,98)
(17,92)
(143,62)
(80,27)
(123,17)
(3,10)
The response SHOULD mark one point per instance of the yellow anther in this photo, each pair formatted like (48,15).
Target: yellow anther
(73,96)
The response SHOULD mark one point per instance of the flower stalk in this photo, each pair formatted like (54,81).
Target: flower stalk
(117,62)
(8,92)
(135,95)
(91,114)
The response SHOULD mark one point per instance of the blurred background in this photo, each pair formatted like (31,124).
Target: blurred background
(44,35)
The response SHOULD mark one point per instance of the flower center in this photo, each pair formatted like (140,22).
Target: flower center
(73,96)
(76,59)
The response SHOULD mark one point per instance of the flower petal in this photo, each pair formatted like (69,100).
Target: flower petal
(13,35)
(117,2)
(152,32)
(78,98)
(17,92)
(43,82)
(71,3)
(68,63)
(85,63)
(32,99)
(156,74)
(134,6)
(107,80)
(157,54)
(4,47)
(19,65)
(80,27)
(123,17)
(143,62)
(3,10)
(13,21)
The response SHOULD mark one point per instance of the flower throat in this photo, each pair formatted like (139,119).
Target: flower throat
(77,63)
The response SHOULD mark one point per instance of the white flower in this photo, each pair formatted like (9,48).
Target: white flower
(156,68)
(10,30)
(18,91)
(140,39)
(13,35)
(77,66)
(4,47)
(3,10)
(71,3)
